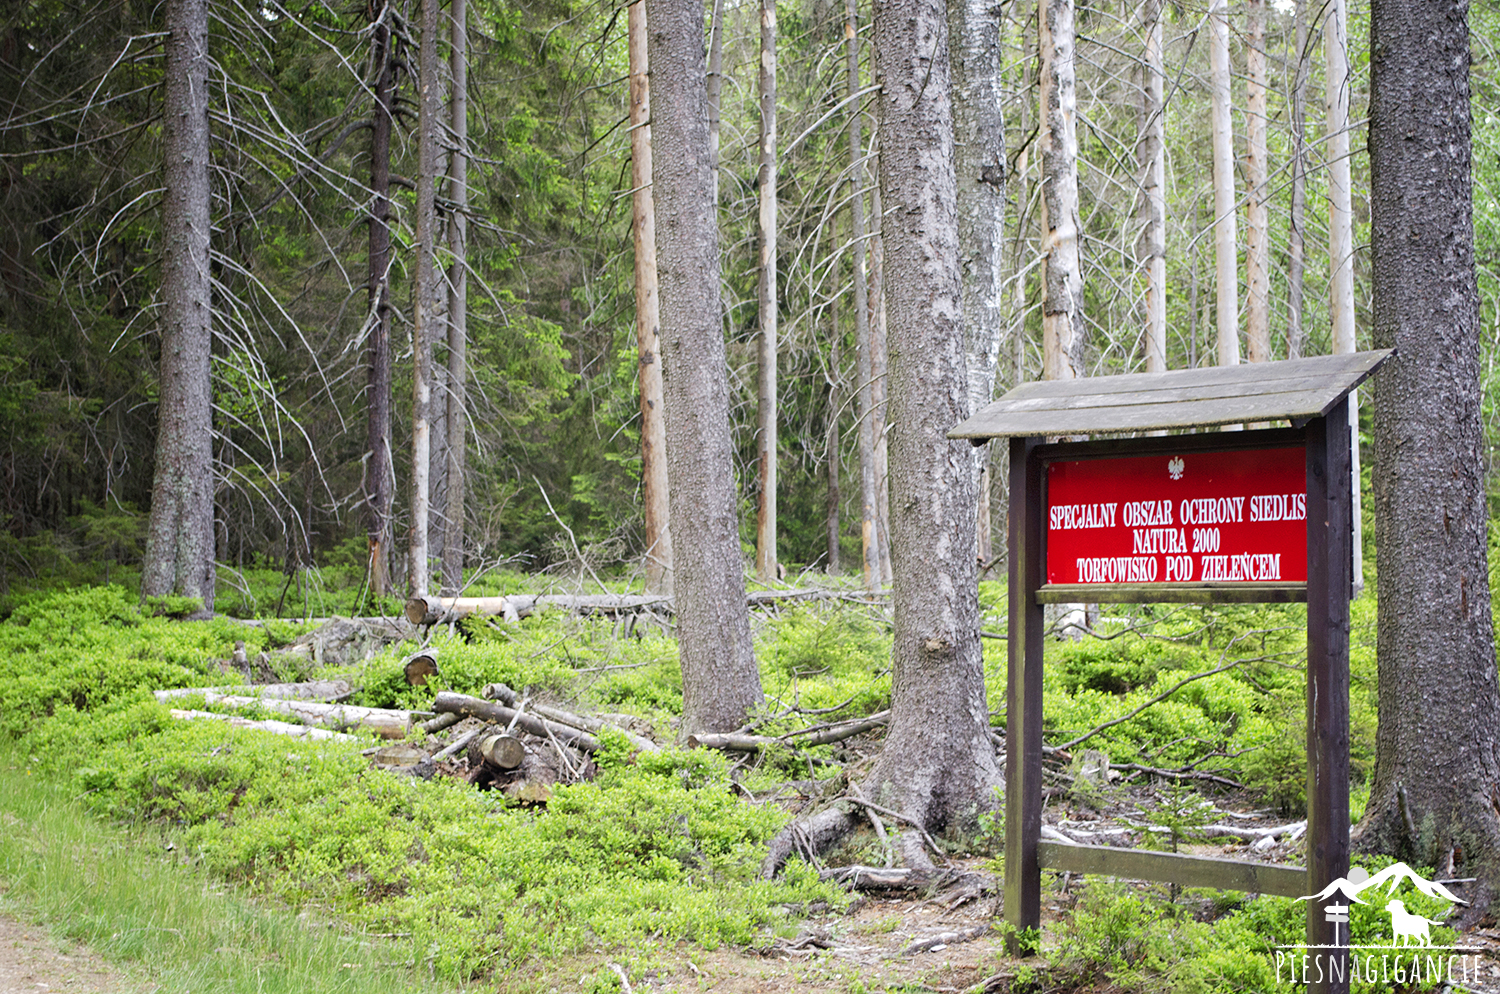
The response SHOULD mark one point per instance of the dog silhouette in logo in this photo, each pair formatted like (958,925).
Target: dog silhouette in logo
(1408,927)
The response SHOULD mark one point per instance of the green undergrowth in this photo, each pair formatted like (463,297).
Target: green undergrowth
(171,925)
(660,848)
(1133,939)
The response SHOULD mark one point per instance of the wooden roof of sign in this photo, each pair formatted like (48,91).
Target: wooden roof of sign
(1291,390)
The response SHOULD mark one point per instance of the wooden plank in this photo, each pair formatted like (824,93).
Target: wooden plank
(1295,390)
(1023,699)
(997,422)
(1021,399)
(1329,559)
(1348,370)
(1176,868)
(1172,593)
(1217,441)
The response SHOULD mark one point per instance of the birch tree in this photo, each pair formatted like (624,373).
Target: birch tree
(1226,257)
(1296,225)
(424,294)
(1341,232)
(1062,270)
(974,33)
(765,530)
(720,680)
(179,556)
(654,495)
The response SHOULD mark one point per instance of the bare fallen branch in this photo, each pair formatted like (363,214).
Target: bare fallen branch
(264,725)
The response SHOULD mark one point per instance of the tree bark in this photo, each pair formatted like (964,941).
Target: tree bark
(179,531)
(1151,159)
(379,475)
(1226,257)
(1257,215)
(654,486)
(1296,229)
(720,679)
(1062,272)
(879,367)
(424,293)
(1437,766)
(938,764)
(1341,233)
(974,32)
(869,537)
(765,518)
(458,303)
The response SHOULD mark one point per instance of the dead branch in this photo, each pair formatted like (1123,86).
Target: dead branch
(817,735)
(386,723)
(473,707)
(500,692)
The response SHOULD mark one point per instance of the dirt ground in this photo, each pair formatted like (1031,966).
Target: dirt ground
(32,962)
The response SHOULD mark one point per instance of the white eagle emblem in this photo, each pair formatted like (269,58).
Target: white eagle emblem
(1175,467)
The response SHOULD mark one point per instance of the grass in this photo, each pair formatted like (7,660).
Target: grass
(162,918)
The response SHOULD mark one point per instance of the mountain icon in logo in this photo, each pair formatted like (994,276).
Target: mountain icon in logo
(1175,466)
(1405,926)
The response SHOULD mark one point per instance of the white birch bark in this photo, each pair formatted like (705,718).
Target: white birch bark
(870,552)
(1226,261)
(979,130)
(458,301)
(1341,232)
(765,520)
(424,291)
(1062,306)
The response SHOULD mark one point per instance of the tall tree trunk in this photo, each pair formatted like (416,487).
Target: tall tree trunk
(1257,219)
(715,88)
(458,302)
(974,33)
(1151,160)
(869,512)
(1296,233)
(1062,272)
(1226,255)
(832,451)
(647,321)
(1341,233)
(720,680)
(879,367)
(180,529)
(424,292)
(379,474)
(765,519)
(1437,766)
(938,764)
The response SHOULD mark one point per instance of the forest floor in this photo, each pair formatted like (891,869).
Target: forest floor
(32,962)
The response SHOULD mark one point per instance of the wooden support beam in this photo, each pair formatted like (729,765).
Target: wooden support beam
(1174,593)
(1023,698)
(1175,868)
(1329,559)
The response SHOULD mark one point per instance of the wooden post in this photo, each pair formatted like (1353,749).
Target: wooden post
(1023,699)
(1329,556)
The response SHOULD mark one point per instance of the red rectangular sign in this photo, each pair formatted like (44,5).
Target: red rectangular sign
(1236,516)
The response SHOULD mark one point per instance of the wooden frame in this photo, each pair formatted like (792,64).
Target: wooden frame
(1325,440)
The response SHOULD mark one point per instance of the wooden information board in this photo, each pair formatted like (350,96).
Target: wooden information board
(1249,516)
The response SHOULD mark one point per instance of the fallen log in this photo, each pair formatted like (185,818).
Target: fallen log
(474,707)
(500,692)
(389,724)
(429,610)
(264,725)
(498,749)
(875,878)
(817,735)
(311,690)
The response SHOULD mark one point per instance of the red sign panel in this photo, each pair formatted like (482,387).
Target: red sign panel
(1194,517)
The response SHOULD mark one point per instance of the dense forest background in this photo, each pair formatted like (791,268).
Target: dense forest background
(551,400)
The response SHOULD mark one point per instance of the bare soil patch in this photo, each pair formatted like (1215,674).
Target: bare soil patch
(32,962)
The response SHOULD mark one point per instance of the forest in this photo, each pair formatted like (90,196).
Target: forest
(348,355)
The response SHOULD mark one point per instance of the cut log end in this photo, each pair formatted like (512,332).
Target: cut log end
(505,751)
